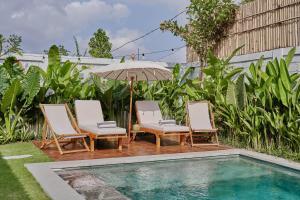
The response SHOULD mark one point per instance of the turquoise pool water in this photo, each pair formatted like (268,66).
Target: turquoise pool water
(208,179)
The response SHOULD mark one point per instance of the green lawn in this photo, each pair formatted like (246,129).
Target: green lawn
(15,181)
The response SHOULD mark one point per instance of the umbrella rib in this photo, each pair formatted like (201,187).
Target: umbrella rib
(161,74)
(152,74)
(119,74)
(145,75)
(108,74)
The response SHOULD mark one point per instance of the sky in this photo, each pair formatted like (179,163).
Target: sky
(42,23)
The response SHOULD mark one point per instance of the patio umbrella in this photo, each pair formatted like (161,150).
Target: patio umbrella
(134,71)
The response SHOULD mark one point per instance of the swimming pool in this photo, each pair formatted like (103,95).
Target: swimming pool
(221,177)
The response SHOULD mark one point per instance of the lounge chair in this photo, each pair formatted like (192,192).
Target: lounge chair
(151,121)
(201,122)
(89,115)
(63,127)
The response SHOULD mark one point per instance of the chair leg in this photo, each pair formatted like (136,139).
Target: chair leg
(182,140)
(58,145)
(120,141)
(92,144)
(217,139)
(157,141)
(85,144)
(44,132)
(191,137)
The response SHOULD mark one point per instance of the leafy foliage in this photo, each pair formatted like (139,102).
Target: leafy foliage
(269,117)
(62,82)
(208,22)
(21,92)
(12,44)
(174,94)
(100,46)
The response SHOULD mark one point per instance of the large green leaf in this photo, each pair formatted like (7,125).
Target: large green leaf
(284,75)
(233,54)
(294,77)
(231,95)
(241,95)
(290,56)
(211,58)
(270,69)
(296,95)
(31,84)
(176,71)
(53,56)
(253,72)
(10,95)
(185,75)
(233,73)
(283,93)
(53,61)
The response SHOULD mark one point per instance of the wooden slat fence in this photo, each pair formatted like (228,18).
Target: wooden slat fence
(261,25)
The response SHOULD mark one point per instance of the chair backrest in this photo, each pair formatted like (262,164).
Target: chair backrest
(148,112)
(199,115)
(88,112)
(58,119)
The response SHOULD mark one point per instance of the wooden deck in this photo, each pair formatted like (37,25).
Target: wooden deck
(140,147)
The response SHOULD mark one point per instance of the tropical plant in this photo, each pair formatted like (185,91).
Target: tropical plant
(208,22)
(114,97)
(218,74)
(173,95)
(10,70)
(61,49)
(99,44)
(63,82)
(17,97)
(263,111)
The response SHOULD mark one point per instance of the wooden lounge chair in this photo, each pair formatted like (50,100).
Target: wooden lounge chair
(201,122)
(89,114)
(62,126)
(149,117)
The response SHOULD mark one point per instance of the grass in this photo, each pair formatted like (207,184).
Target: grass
(15,181)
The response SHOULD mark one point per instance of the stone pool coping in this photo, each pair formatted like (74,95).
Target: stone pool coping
(58,189)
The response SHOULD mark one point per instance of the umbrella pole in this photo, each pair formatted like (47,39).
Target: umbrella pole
(130,109)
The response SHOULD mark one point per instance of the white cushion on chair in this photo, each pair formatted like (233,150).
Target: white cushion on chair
(103,131)
(166,128)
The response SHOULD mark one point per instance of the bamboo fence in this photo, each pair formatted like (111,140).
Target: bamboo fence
(261,25)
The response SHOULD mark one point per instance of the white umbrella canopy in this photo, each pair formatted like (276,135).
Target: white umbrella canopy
(134,71)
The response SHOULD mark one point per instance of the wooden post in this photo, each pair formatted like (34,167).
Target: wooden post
(130,108)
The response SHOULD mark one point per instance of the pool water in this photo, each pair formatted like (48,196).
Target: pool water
(206,178)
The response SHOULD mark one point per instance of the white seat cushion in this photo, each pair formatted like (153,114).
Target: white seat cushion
(166,128)
(103,131)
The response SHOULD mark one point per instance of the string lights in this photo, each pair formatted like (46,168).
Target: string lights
(153,52)
(146,34)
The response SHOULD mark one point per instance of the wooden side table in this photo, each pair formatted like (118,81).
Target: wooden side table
(133,134)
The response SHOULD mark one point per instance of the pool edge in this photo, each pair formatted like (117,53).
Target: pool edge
(58,189)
